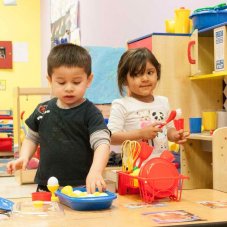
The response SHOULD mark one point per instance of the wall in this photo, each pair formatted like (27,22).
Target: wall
(45,37)
(21,23)
(112,23)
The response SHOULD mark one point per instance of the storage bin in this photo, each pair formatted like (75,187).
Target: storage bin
(6,144)
(210,16)
(86,203)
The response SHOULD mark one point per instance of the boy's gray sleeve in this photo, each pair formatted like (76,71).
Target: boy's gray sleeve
(99,137)
(33,136)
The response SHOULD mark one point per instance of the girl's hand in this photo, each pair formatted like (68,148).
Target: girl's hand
(95,180)
(180,136)
(12,166)
(151,131)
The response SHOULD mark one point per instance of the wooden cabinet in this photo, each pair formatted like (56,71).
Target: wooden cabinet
(207,53)
(208,58)
(145,41)
(194,88)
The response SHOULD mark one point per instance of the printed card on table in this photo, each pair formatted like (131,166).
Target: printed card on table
(174,216)
(214,204)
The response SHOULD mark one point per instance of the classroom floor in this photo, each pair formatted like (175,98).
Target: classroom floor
(10,188)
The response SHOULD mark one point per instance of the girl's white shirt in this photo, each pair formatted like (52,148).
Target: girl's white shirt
(129,114)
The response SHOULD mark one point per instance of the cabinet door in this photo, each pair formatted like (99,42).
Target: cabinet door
(193,53)
(220,46)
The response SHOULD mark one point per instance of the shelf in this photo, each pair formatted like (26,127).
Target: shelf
(6,153)
(201,136)
(209,76)
(208,32)
(34,91)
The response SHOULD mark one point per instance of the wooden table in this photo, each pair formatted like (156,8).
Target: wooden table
(121,216)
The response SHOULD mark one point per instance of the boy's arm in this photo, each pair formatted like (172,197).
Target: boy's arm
(27,150)
(100,160)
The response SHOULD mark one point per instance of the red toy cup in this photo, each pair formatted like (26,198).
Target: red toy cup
(41,196)
(179,123)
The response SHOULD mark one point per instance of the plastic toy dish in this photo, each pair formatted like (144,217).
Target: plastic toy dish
(41,196)
(86,203)
(6,204)
(162,177)
(36,210)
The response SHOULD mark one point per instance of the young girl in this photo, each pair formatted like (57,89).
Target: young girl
(137,116)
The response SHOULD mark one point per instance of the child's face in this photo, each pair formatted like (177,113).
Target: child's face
(142,86)
(69,85)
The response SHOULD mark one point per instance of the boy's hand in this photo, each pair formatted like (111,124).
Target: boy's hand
(12,166)
(180,136)
(95,180)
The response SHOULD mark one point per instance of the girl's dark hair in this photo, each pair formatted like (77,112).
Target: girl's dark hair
(69,55)
(134,61)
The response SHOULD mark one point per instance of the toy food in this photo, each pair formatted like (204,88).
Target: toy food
(52,181)
(53,185)
(68,190)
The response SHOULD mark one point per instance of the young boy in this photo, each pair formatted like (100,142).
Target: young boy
(74,140)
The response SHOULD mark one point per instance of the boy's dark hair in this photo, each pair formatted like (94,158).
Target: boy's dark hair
(69,55)
(134,61)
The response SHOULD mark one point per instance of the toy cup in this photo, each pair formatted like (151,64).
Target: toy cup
(53,185)
(53,189)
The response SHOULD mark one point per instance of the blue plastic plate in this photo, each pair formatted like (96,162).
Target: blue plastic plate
(87,203)
(6,204)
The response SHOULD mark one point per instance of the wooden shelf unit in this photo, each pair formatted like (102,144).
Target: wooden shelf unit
(194,94)
(27,176)
(201,136)
(205,169)
(6,154)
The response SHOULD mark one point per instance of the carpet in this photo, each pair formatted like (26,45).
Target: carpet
(3,163)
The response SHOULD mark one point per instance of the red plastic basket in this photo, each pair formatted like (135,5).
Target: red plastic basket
(128,184)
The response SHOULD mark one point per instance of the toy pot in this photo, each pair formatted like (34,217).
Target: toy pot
(182,21)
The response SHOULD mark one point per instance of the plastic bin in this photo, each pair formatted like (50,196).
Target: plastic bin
(86,203)
(6,144)
(146,189)
(210,16)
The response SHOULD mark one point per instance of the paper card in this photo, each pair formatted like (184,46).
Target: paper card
(214,204)
(2,85)
(20,52)
(174,216)
(9,2)
(141,205)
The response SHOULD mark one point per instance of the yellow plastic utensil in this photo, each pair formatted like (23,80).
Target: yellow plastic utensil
(130,153)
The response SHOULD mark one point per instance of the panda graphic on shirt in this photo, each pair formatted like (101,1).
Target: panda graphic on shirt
(160,142)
